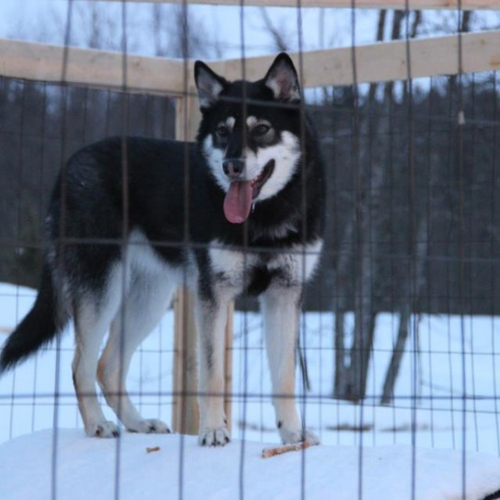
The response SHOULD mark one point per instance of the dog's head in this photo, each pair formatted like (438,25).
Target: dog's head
(250,133)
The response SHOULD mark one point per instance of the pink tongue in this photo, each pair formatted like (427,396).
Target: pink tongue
(238,201)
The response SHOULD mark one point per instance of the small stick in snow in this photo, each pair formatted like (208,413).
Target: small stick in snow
(152,450)
(279,450)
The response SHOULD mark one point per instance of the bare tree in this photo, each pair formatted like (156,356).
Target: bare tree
(413,287)
(351,365)
(379,38)
(278,35)
(414,284)
(179,33)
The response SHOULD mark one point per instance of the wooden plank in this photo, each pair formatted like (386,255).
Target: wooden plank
(44,62)
(185,415)
(187,114)
(361,4)
(383,61)
(375,63)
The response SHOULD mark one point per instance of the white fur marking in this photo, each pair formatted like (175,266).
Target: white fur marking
(275,87)
(251,121)
(230,264)
(286,153)
(208,90)
(214,157)
(299,263)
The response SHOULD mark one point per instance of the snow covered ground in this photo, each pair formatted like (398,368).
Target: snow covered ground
(456,357)
(88,469)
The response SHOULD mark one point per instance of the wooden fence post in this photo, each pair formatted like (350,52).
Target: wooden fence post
(185,414)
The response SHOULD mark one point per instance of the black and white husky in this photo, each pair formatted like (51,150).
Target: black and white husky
(239,211)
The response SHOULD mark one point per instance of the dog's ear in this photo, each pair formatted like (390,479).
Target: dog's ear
(208,83)
(282,79)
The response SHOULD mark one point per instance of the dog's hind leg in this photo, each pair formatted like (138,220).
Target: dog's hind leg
(147,300)
(92,320)
(281,308)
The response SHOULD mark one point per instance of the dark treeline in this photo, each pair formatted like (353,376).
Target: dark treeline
(413,195)
(41,125)
(413,216)
(414,189)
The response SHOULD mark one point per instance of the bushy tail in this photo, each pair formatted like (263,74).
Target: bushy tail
(44,321)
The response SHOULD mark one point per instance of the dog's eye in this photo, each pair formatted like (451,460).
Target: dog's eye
(222,131)
(260,130)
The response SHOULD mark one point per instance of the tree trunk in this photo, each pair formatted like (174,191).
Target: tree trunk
(363,315)
(379,38)
(397,356)
(405,312)
(351,370)
(397,22)
(343,267)
(341,369)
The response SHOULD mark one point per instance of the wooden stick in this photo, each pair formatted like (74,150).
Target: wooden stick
(279,450)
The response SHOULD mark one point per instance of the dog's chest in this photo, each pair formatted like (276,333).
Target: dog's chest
(255,270)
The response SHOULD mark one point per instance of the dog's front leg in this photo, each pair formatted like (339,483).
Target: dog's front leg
(281,309)
(211,322)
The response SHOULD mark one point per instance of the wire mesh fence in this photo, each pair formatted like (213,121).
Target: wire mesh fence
(399,326)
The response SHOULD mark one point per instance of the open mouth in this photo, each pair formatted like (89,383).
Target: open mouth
(259,181)
(241,194)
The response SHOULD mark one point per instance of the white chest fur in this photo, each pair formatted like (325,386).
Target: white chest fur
(290,267)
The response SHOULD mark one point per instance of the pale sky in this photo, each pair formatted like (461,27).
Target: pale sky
(46,19)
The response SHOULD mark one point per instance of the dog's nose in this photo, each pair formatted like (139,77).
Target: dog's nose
(233,167)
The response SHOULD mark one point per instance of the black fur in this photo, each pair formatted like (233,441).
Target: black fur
(39,326)
(493,496)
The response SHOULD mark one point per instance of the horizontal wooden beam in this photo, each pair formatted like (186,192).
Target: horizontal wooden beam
(382,61)
(374,63)
(362,4)
(43,62)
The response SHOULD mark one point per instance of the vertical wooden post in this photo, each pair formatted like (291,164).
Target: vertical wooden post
(185,415)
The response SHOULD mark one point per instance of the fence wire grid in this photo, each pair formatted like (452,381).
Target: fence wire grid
(399,330)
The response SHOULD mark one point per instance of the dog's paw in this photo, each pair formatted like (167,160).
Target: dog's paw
(292,436)
(214,437)
(149,426)
(103,429)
